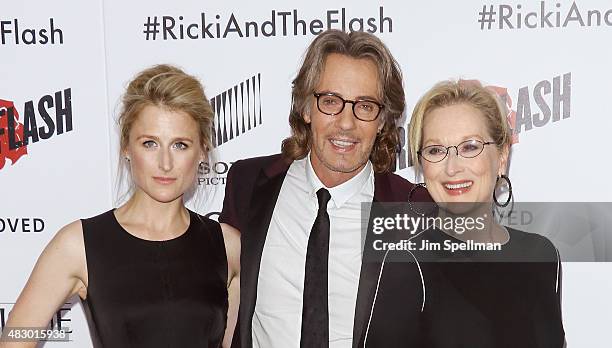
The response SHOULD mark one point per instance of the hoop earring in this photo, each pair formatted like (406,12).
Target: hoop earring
(509,190)
(414,188)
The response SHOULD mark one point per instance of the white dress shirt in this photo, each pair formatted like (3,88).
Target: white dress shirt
(277,320)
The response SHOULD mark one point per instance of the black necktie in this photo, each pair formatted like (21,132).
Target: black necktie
(315,315)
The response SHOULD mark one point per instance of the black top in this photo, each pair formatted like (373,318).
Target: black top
(151,294)
(507,298)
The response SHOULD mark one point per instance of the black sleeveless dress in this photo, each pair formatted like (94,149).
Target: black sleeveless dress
(155,293)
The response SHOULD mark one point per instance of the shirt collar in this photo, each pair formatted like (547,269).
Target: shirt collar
(342,193)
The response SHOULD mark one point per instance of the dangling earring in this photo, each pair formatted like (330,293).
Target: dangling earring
(127,159)
(414,188)
(509,191)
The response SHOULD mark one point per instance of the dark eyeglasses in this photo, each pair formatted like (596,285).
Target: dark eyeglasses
(467,149)
(363,109)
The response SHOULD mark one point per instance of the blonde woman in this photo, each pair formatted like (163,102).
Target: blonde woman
(506,297)
(150,273)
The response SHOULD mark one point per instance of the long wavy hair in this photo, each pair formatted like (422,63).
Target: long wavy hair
(358,45)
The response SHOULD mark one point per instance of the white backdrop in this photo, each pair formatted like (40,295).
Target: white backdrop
(551,69)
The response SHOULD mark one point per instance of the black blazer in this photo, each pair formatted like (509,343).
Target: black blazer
(252,188)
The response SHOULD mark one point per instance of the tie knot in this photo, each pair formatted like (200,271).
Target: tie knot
(323,196)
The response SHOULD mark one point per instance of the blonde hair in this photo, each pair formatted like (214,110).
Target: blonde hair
(168,87)
(469,92)
(359,45)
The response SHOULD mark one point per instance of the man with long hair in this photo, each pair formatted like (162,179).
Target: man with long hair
(299,212)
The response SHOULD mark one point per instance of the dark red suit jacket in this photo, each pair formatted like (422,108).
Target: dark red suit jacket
(252,188)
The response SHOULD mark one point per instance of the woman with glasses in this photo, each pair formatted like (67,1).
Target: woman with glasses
(486,285)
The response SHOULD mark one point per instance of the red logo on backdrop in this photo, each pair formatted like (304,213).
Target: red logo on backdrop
(547,101)
(41,119)
(5,151)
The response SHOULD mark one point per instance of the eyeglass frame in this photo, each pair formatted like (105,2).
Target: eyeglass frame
(484,143)
(354,102)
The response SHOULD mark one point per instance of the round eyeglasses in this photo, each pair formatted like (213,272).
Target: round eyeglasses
(363,109)
(467,149)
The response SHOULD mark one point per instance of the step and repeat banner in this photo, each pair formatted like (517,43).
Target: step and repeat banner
(64,66)
(54,159)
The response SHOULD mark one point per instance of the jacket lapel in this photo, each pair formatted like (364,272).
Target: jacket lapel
(368,277)
(263,201)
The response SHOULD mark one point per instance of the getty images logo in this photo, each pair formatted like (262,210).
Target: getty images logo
(237,111)
(536,106)
(16,134)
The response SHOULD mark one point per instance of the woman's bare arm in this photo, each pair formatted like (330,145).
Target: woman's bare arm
(232,249)
(60,272)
